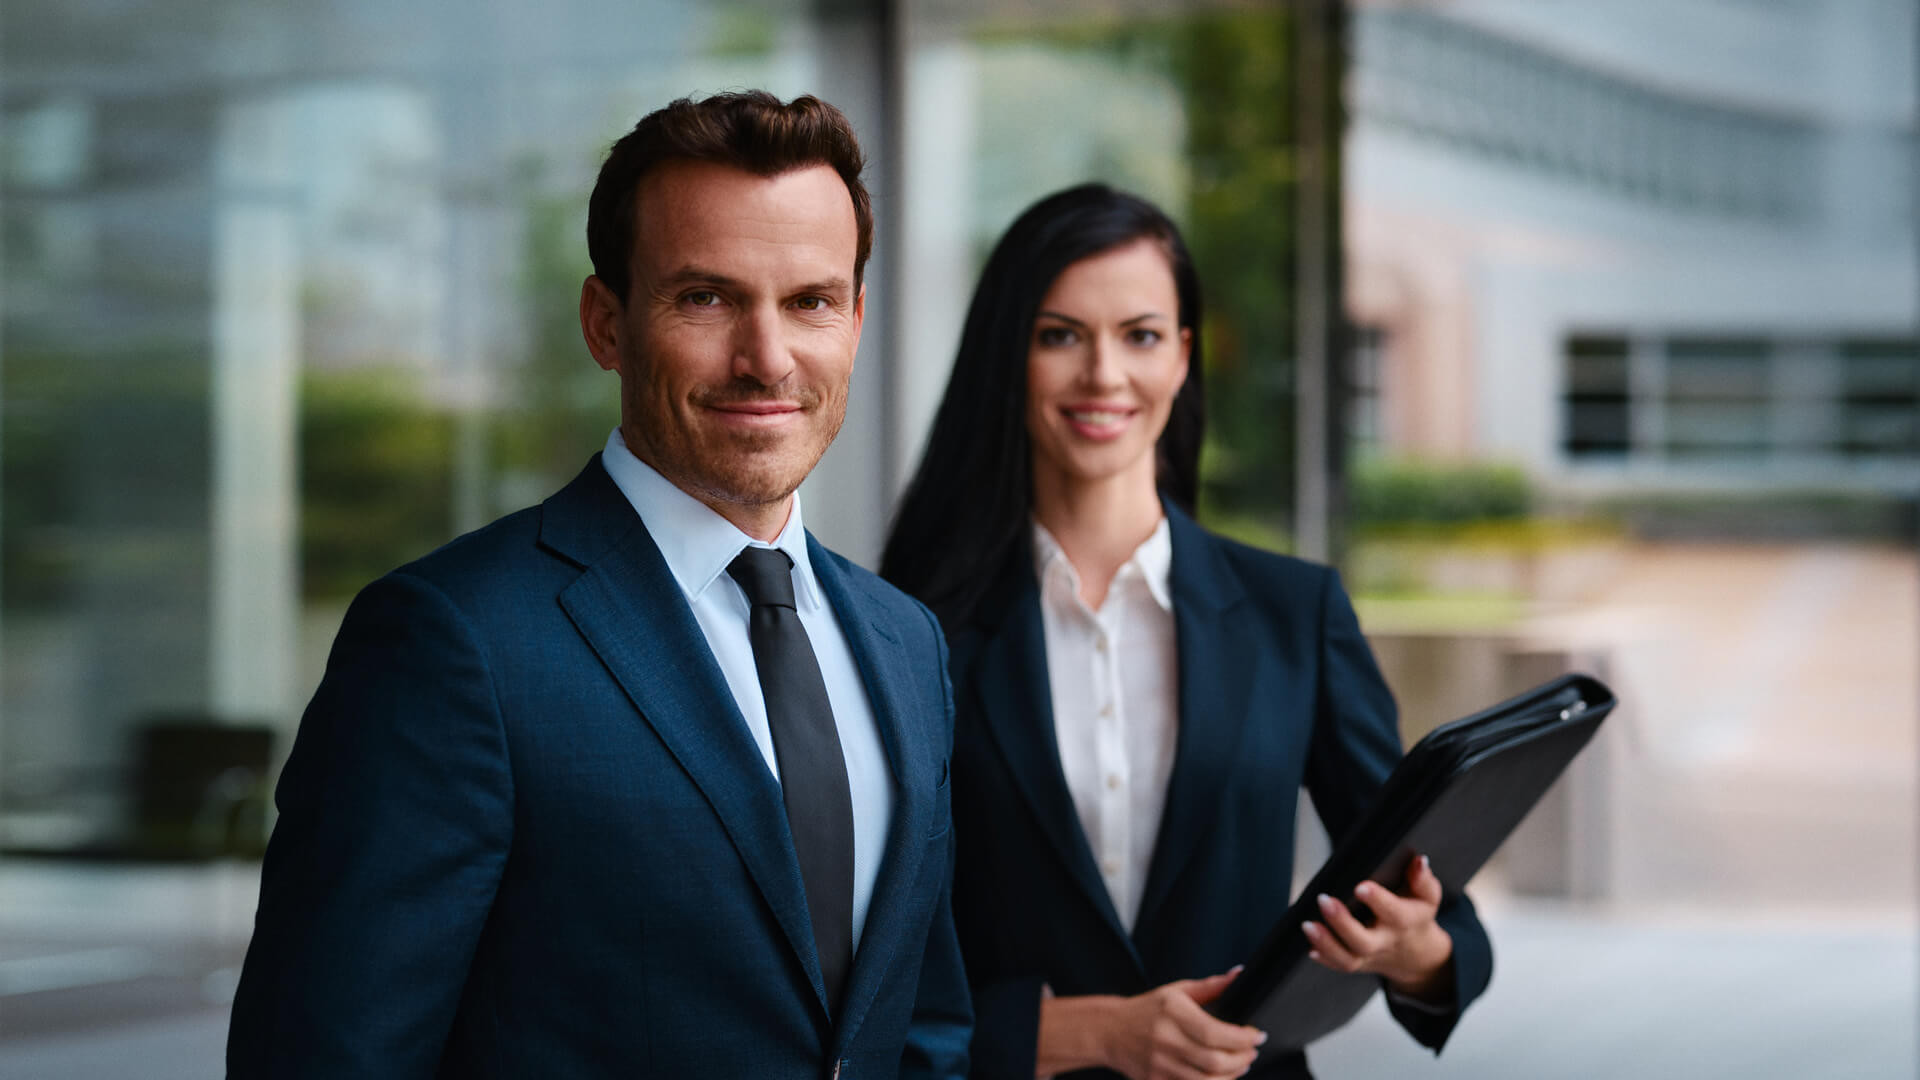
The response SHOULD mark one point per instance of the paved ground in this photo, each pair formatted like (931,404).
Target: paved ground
(1584,995)
(1767,746)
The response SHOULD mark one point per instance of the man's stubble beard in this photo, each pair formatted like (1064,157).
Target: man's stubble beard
(741,468)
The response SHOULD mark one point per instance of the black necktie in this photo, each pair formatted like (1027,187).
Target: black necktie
(813,774)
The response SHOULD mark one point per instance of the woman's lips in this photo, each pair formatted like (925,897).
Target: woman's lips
(1099,422)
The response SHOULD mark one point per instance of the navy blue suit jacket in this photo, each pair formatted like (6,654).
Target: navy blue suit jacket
(1277,689)
(525,832)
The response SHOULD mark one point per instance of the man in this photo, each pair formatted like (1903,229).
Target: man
(642,781)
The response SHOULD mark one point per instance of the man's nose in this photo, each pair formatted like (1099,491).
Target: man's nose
(760,348)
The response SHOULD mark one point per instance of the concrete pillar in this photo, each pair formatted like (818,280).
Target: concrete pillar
(255,384)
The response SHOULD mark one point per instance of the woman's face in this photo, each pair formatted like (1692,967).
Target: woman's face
(1105,360)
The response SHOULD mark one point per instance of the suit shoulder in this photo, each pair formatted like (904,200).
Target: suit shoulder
(888,602)
(1285,574)
(479,566)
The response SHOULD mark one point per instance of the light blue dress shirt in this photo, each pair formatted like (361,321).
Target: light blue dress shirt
(697,544)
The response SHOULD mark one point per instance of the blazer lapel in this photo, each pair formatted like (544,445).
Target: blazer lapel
(1216,674)
(905,723)
(628,607)
(1017,705)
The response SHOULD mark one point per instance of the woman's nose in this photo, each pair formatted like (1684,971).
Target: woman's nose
(1103,362)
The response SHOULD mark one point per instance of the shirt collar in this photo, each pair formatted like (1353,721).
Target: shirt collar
(696,542)
(1153,560)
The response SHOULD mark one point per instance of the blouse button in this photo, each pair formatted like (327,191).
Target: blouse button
(1113,781)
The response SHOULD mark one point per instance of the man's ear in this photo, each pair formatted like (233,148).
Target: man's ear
(600,322)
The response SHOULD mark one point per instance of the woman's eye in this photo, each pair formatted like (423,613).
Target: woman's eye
(1140,335)
(702,298)
(1053,337)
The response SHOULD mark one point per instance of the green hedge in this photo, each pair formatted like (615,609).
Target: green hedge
(1386,494)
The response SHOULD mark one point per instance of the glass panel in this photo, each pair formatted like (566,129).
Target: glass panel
(1364,364)
(289,298)
(1597,406)
(1717,368)
(1880,414)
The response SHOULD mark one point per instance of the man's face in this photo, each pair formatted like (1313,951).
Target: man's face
(736,344)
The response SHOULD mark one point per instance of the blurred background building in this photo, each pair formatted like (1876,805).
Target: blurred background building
(1579,334)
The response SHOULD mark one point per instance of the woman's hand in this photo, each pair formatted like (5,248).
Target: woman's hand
(1163,1034)
(1404,945)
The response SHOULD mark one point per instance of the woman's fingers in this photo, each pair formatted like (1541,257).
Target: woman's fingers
(1424,883)
(1198,1061)
(1191,1043)
(1395,912)
(1173,1067)
(1328,949)
(1359,940)
(1404,944)
(1207,1031)
(1205,990)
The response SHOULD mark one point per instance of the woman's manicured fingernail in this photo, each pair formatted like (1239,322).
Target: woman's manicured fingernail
(1325,901)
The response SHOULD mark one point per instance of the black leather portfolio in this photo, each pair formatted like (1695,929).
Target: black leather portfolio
(1455,798)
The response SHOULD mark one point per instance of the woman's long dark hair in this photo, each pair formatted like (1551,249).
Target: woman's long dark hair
(965,513)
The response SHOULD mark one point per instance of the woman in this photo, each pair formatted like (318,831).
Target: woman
(1139,701)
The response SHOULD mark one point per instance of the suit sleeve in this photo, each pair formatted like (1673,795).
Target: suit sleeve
(396,811)
(942,1023)
(1356,743)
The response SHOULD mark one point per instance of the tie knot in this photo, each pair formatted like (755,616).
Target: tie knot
(765,575)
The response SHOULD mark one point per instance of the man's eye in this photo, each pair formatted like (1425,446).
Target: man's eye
(702,298)
(1053,337)
(811,303)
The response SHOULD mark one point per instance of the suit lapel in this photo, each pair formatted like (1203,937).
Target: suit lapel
(1017,706)
(1217,666)
(628,607)
(905,722)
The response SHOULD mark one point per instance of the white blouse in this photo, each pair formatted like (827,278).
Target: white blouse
(1114,678)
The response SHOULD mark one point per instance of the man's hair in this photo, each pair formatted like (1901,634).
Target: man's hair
(749,130)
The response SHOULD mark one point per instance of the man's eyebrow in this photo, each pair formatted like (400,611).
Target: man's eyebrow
(828,285)
(700,275)
(690,275)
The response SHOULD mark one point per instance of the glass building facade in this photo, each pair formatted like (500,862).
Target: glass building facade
(290,299)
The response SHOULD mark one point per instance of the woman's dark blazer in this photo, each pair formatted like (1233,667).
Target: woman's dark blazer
(1277,689)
